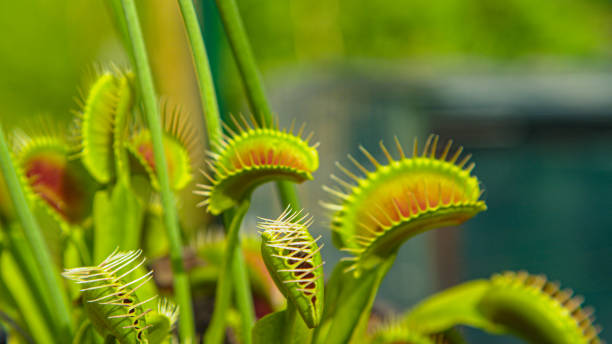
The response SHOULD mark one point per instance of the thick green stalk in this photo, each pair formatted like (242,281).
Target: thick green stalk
(205,81)
(35,239)
(147,88)
(212,119)
(216,328)
(234,29)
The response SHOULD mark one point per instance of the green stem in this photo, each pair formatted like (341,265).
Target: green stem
(290,319)
(205,81)
(216,328)
(244,298)
(147,88)
(119,19)
(236,34)
(35,239)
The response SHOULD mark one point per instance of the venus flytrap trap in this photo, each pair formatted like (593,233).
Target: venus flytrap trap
(100,124)
(43,157)
(181,146)
(110,300)
(253,155)
(294,261)
(377,213)
(109,297)
(538,310)
(528,306)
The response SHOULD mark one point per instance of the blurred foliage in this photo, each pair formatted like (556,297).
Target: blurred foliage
(285,31)
(45,48)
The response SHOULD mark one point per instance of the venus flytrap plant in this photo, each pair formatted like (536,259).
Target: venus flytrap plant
(147,91)
(375,214)
(251,79)
(100,125)
(181,146)
(62,323)
(259,106)
(528,306)
(250,156)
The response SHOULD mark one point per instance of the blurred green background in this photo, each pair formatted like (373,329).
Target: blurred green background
(525,85)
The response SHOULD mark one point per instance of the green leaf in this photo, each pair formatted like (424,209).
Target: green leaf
(271,328)
(348,301)
(160,328)
(452,307)
(117,221)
